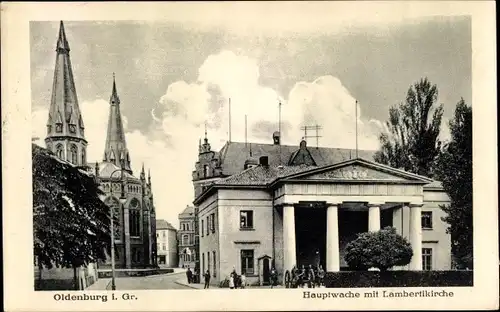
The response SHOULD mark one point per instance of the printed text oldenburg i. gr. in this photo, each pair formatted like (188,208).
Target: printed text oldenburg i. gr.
(87,297)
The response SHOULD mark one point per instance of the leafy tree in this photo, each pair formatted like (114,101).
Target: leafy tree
(454,169)
(382,249)
(411,142)
(70,222)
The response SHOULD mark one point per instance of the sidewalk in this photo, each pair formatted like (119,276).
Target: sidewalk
(100,284)
(183,282)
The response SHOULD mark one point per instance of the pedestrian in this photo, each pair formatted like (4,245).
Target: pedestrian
(311,277)
(231,281)
(321,275)
(189,275)
(273,277)
(207,279)
(243,280)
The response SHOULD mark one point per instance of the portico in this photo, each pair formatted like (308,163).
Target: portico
(363,187)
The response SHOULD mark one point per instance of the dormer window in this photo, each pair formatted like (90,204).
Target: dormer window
(72,128)
(59,127)
(49,128)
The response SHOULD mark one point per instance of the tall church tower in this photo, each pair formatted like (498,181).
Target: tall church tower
(65,129)
(116,151)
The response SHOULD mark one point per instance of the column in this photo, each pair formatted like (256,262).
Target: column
(126,243)
(416,237)
(332,239)
(289,248)
(373,218)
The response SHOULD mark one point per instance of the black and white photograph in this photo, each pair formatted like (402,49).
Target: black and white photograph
(290,153)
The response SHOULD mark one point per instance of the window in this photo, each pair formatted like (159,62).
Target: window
(208,260)
(246,219)
(212,222)
(187,226)
(426,219)
(185,240)
(208,225)
(202,228)
(164,246)
(72,128)
(58,127)
(214,269)
(135,222)
(205,171)
(84,159)
(427,259)
(247,267)
(73,154)
(59,151)
(202,263)
(164,233)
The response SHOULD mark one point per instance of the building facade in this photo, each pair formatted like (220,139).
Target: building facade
(66,139)
(268,205)
(186,238)
(130,197)
(166,238)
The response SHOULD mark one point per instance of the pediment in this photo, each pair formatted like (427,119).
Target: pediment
(359,170)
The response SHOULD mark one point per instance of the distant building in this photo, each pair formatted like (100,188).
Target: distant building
(270,205)
(186,238)
(166,240)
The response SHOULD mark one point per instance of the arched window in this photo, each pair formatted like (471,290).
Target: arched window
(60,151)
(135,218)
(205,171)
(185,240)
(84,159)
(73,154)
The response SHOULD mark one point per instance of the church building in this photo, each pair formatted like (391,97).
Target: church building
(265,205)
(129,196)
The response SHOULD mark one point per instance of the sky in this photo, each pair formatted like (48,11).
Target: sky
(176,75)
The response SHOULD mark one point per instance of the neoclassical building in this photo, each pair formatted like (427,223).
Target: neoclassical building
(135,233)
(264,205)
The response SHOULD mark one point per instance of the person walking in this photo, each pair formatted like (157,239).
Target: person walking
(207,279)
(189,276)
(231,281)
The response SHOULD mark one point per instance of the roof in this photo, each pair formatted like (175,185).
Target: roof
(265,176)
(261,175)
(164,225)
(106,169)
(187,211)
(234,154)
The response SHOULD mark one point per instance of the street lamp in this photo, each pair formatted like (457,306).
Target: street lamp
(123,199)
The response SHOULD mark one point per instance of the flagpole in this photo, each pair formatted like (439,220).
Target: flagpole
(356,128)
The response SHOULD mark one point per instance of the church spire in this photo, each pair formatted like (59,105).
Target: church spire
(65,128)
(116,150)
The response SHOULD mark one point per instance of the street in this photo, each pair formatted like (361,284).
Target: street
(166,281)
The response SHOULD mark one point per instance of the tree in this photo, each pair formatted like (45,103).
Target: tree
(382,249)
(411,142)
(454,170)
(70,222)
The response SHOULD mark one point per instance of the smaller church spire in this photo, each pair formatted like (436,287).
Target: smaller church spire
(149,176)
(143,174)
(206,137)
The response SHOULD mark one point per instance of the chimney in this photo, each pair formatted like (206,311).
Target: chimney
(264,161)
(276,137)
